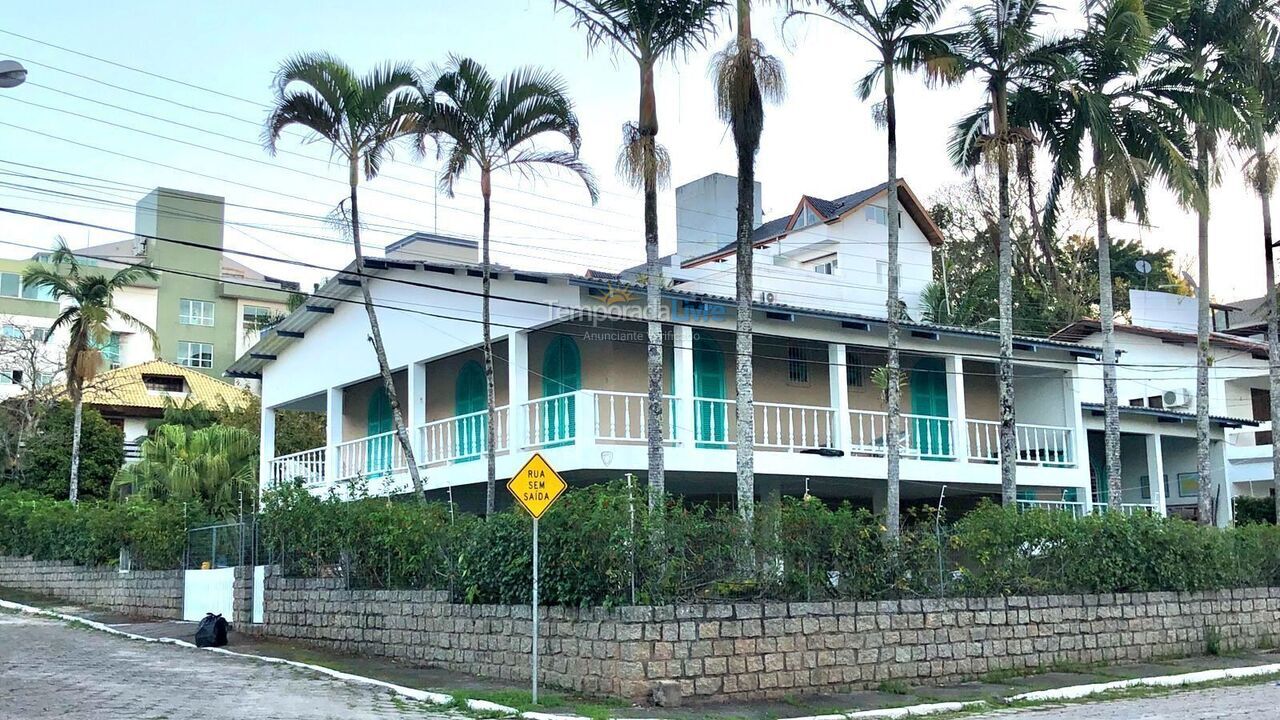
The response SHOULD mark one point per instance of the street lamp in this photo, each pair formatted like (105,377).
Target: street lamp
(12,74)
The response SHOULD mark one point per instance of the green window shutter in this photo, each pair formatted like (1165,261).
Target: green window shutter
(928,382)
(710,418)
(561,373)
(379,422)
(469,398)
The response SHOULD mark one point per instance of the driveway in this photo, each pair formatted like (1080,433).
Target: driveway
(1225,703)
(49,669)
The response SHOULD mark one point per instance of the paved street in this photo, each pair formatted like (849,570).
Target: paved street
(52,670)
(1227,703)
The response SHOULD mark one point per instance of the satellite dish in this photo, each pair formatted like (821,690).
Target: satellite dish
(12,74)
(1143,266)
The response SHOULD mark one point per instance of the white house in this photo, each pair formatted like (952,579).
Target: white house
(571,371)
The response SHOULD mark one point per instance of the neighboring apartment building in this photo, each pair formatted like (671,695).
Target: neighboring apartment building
(570,364)
(206,308)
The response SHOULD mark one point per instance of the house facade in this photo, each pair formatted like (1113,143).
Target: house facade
(206,308)
(570,366)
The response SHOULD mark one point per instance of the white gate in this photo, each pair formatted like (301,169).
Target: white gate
(208,591)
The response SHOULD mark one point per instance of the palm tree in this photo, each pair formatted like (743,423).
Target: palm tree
(1196,42)
(1001,44)
(899,33)
(361,117)
(1103,98)
(1257,59)
(648,31)
(89,307)
(212,467)
(495,125)
(745,76)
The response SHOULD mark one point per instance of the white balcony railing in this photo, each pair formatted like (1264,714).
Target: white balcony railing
(920,436)
(620,417)
(307,467)
(794,427)
(1075,508)
(374,457)
(460,438)
(1045,445)
(551,421)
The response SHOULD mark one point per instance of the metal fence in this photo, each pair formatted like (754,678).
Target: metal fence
(223,545)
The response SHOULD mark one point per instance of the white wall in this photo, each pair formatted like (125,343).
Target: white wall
(136,347)
(1163,310)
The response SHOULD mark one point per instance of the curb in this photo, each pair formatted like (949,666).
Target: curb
(1074,692)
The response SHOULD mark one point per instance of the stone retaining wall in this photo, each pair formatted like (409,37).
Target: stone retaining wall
(744,651)
(139,593)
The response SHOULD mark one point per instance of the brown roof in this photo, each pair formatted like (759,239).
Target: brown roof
(1080,329)
(124,388)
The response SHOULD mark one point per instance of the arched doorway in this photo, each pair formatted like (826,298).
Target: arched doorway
(468,399)
(561,374)
(710,418)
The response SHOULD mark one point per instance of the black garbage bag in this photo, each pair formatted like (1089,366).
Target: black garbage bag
(212,631)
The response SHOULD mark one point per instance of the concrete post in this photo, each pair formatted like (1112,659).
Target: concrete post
(333,432)
(956,409)
(682,337)
(266,447)
(1155,473)
(1075,420)
(416,415)
(517,389)
(838,378)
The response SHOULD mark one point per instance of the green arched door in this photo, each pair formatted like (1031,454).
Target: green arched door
(469,398)
(710,417)
(561,374)
(931,438)
(378,422)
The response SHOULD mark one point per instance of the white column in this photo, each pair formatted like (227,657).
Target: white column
(1222,490)
(266,447)
(838,377)
(682,338)
(517,389)
(1075,420)
(416,415)
(1155,472)
(956,409)
(333,431)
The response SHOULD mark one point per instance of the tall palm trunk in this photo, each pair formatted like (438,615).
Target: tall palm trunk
(490,449)
(894,307)
(375,333)
(73,492)
(746,135)
(1273,322)
(1008,431)
(1203,320)
(1106,316)
(648,130)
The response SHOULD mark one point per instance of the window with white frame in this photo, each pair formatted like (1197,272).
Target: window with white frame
(853,365)
(37,292)
(195,354)
(806,218)
(255,317)
(797,365)
(877,215)
(826,265)
(10,284)
(882,272)
(195,312)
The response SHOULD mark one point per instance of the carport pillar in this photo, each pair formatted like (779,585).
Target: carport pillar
(333,432)
(682,367)
(838,377)
(1222,490)
(956,409)
(266,447)
(1155,473)
(417,404)
(517,389)
(1080,436)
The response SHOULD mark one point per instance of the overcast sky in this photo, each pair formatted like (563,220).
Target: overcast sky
(821,141)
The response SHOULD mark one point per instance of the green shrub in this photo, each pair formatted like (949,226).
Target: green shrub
(46,461)
(1254,510)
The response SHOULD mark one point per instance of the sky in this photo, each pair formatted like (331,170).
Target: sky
(191,119)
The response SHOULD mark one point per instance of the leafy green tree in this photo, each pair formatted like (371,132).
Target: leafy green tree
(361,117)
(900,33)
(46,462)
(495,125)
(212,469)
(296,430)
(649,32)
(745,76)
(88,300)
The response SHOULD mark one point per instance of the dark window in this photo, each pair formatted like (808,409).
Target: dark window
(165,383)
(797,366)
(1155,401)
(853,366)
(1137,402)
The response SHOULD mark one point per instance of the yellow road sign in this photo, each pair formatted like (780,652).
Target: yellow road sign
(536,486)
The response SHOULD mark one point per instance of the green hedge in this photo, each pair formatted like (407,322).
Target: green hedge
(601,546)
(1250,510)
(91,532)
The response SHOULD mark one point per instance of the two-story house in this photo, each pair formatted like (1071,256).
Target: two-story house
(570,362)
(205,307)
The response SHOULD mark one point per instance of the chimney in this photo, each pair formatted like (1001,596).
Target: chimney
(706,214)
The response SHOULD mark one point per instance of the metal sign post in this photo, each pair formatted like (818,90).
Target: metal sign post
(536,487)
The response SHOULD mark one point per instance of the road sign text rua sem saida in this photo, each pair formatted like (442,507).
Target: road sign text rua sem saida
(536,486)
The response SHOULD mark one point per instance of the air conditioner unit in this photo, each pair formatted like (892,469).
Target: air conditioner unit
(769,298)
(1176,398)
